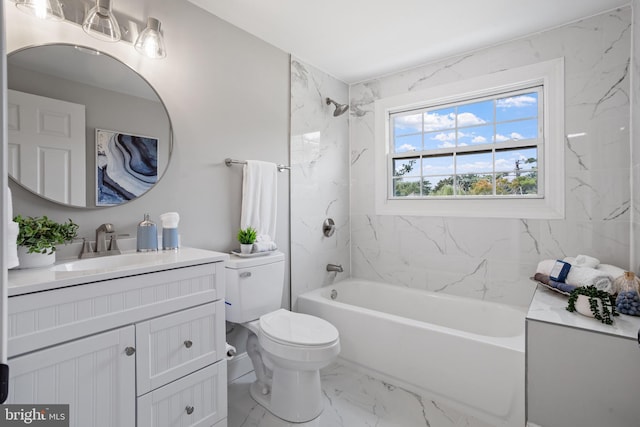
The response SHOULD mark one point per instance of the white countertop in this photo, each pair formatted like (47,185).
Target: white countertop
(551,307)
(44,279)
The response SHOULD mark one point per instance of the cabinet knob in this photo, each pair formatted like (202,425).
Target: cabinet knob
(130,351)
(188,343)
(189,409)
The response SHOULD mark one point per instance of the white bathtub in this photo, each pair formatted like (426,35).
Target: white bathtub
(458,351)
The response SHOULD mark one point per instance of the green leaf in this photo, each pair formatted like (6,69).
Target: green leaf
(41,235)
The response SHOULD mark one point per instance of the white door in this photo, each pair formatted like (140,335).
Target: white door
(47,146)
(94,375)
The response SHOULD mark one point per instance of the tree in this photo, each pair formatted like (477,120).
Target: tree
(405,169)
(482,187)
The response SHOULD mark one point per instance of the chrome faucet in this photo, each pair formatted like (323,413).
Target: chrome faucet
(101,243)
(335,267)
(101,236)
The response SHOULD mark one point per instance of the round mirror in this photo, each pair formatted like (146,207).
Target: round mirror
(85,130)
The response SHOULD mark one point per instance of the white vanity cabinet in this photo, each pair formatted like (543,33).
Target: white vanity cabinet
(143,347)
(580,372)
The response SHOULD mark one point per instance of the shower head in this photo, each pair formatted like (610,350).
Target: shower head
(340,108)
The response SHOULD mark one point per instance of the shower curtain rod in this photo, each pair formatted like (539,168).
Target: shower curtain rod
(229,162)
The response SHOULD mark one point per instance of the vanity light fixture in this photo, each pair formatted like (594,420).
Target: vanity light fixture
(101,23)
(150,42)
(43,9)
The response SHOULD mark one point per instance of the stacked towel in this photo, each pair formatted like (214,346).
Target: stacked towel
(580,276)
(611,270)
(564,287)
(545,266)
(583,261)
(584,276)
(259,202)
(11,257)
(264,245)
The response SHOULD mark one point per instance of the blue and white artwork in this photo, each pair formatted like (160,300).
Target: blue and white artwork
(127,166)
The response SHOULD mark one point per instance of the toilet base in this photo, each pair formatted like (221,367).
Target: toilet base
(295,396)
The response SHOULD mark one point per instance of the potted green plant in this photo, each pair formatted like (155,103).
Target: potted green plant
(38,237)
(593,302)
(247,238)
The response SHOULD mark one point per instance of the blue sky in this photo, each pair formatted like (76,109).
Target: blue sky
(475,124)
(485,122)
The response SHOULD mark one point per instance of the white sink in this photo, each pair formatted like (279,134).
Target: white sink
(108,262)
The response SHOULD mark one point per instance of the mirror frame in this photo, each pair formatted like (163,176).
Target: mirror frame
(129,68)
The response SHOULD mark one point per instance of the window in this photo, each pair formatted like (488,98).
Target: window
(488,146)
(478,147)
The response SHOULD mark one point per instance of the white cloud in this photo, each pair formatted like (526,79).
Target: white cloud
(479,139)
(516,101)
(474,167)
(413,122)
(445,136)
(446,144)
(435,121)
(406,147)
(469,119)
(513,136)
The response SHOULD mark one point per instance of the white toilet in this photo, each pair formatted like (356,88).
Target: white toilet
(287,349)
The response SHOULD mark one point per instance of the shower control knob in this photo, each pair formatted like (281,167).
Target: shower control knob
(129,351)
(189,409)
(188,343)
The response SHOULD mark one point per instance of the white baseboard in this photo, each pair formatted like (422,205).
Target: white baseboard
(238,366)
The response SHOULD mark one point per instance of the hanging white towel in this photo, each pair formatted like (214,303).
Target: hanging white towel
(259,198)
(11,258)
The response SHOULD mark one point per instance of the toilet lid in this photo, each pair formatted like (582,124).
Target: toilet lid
(297,328)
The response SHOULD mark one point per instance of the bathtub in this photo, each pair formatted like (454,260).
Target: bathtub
(463,352)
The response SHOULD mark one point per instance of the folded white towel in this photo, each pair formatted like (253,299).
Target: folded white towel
(587,261)
(11,257)
(611,270)
(570,259)
(545,266)
(263,244)
(585,276)
(259,197)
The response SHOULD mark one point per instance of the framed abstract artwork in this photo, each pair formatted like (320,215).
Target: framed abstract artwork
(126,166)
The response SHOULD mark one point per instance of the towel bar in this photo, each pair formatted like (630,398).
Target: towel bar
(229,162)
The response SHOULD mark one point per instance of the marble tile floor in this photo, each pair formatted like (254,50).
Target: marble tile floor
(351,399)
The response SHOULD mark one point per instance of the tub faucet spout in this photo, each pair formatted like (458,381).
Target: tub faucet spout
(335,267)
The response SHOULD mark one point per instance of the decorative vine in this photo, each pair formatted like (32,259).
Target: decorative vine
(595,295)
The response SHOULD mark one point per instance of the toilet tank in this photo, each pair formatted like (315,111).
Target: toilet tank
(254,286)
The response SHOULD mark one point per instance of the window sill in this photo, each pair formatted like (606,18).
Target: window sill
(472,208)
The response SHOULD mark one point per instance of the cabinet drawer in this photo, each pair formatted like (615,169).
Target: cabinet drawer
(172,346)
(199,399)
(46,318)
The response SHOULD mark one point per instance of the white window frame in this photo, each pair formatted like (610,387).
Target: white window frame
(549,74)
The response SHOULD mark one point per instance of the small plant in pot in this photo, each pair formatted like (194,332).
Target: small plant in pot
(38,237)
(593,302)
(247,238)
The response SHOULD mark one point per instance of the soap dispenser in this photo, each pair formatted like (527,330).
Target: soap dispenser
(147,237)
(170,237)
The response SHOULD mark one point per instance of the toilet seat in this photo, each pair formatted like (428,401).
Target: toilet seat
(290,336)
(297,329)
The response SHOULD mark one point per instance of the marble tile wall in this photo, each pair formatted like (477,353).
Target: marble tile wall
(493,258)
(635,137)
(319,178)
